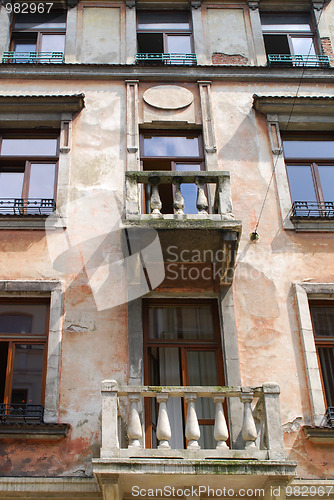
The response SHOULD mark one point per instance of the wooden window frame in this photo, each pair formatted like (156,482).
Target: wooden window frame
(298,34)
(27,339)
(184,345)
(169,31)
(322,342)
(31,33)
(314,163)
(23,162)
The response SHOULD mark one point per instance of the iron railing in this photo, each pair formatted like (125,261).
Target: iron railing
(33,57)
(315,209)
(330,416)
(309,61)
(27,206)
(17,412)
(179,59)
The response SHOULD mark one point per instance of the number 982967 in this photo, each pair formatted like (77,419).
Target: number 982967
(28,8)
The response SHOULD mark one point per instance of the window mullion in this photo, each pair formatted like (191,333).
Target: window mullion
(317,182)
(9,372)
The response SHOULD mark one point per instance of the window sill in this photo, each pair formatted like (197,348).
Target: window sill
(319,435)
(33,431)
(312,224)
(25,222)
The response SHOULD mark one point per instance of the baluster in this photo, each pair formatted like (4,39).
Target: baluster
(178,202)
(220,428)
(249,432)
(192,428)
(135,432)
(202,201)
(155,203)
(164,432)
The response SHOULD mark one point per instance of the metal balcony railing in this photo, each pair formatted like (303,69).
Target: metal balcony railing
(221,205)
(178,59)
(18,413)
(33,57)
(27,206)
(288,60)
(312,209)
(330,416)
(261,426)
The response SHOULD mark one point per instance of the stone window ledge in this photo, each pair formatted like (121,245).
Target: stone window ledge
(320,435)
(31,222)
(33,431)
(313,225)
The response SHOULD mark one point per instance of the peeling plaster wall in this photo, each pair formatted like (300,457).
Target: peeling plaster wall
(95,342)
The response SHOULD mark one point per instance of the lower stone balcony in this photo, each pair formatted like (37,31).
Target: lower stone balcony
(250,443)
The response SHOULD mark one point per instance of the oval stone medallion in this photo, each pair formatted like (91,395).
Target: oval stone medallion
(168,97)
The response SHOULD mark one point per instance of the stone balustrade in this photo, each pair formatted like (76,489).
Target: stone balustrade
(259,409)
(220,208)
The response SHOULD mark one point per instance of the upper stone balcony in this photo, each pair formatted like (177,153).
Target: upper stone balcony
(180,205)
(157,430)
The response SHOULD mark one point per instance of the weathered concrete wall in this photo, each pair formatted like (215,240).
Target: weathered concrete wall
(226,32)
(100,36)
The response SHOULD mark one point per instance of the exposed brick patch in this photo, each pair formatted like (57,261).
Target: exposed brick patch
(222,59)
(327,48)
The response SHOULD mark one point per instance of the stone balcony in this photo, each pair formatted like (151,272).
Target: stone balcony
(250,444)
(212,228)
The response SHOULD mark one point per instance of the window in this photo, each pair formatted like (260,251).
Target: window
(165,36)
(310,167)
(28,173)
(322,314)
(37,38)
(182,347)
(289,40)
(174,151)
(23,353)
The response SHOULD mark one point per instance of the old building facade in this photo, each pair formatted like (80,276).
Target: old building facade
(166,236)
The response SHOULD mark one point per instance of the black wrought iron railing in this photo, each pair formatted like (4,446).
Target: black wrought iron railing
(178,59)
(27,206)
(308,61)
(21,413)
(312,209)
(330,416)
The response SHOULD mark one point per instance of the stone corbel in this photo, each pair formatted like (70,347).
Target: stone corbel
(318,5)
(130,3)
(196,4)
(132,120)
(207,117)
(253,5)
(274,134)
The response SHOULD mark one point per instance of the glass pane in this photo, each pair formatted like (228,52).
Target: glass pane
(326,173)
(23,318)
(42,178)
(187,322)
(27,374)
(25,46)
(53,43)
(29,147)
(171,146)
(301,183)
(11,184)
(40,21)
(177,44)
(285,22)
(323,320)
(163,20)
(308,149)
(207,441)
(202,370)
(303,46)
(326,356)
(189,191)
